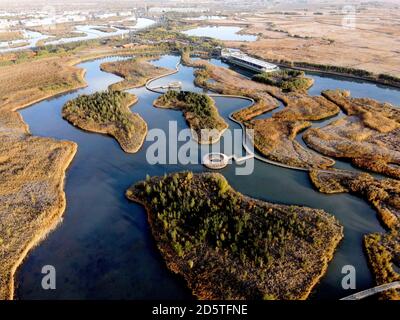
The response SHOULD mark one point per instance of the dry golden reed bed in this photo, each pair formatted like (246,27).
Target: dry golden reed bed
(369,136)
(32,199)
(29,82)
(276,140)
(33,168)
(304,36)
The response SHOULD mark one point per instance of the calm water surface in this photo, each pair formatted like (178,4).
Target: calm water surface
(104,249)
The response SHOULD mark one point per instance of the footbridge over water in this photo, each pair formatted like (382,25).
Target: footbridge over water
(370,292)
(218,160)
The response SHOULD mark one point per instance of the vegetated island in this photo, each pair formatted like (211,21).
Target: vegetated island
(383,252)
(369,136)
(276,140)
(29,212)
(136,72)
(199,111)
(229,246)
(108,113)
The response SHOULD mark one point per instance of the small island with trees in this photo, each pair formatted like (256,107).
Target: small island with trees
(108,113)
(199,111)
(229,246)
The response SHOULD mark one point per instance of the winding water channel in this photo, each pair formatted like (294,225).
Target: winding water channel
(103,249)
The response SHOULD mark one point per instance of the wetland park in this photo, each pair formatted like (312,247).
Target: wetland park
(78,191)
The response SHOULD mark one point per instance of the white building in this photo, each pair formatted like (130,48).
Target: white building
(105,15)
(240,59)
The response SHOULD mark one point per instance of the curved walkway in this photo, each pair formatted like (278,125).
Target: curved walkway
(157,89)
(370,292)
(251,154)
(357,296)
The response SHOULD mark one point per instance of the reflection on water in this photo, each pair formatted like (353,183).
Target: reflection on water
(221,33)
(104,249)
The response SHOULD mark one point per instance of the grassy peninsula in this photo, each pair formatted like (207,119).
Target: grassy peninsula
(32,198)
(199,111)
(276,139)
(108,112)
(229,246)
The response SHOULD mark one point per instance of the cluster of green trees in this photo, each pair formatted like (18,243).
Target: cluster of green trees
(296,84)
(159,33)
(172,31)
(338,69)
(287,80)
(69,47)
(103,108)
(389,79)
(193,211)
(385,78)
(199,105)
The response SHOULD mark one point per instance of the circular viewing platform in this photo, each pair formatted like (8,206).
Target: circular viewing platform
(215,160)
